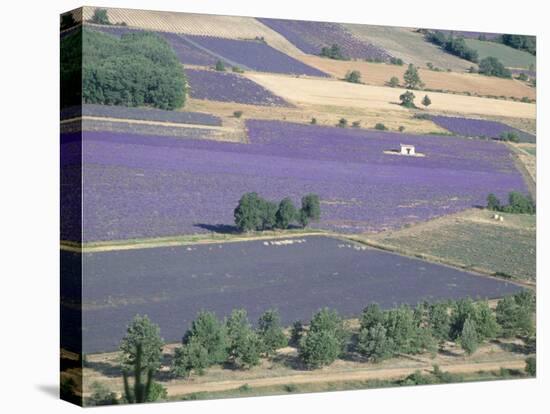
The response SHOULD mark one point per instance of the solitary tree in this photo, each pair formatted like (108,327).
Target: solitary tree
(220,66)
(394,81)
(271,332)
(286,213)
(353,76)
(407,99)
(469,337)
(412,78)
(426,101)
(100,17)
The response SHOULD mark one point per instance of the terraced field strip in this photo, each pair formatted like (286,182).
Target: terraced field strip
(344,94)
(231,27)
(145,122)
(359,375)
(379,74)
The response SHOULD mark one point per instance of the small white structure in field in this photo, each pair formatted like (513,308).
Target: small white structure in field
(407,149)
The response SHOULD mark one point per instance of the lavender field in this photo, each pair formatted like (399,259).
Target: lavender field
(479,128)
(317,272)
(255,55)
(142,114)
(229,87)
(310,37)
(147,186)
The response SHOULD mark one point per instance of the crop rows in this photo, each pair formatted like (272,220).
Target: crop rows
(255,55)
(310,37)
(318,272)
(143,114)
(470,127)
(146,186)
(229,87)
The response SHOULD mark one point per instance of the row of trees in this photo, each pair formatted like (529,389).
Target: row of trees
(517,204)
(256,213)
(454,45)
(382,334)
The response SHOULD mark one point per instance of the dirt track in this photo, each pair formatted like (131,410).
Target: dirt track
(321,377)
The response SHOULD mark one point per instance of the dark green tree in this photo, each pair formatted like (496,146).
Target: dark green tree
(353,76)
(310,210)
(100,17)
(144,388)
(208,332)
(394,82)
(493,203)
(426,101)
(248,213)
(342,123)
(515,315)
(371,316)
(268,214)
(191,357)
(328,320)
(319,348)
(411,78)
(486,322)
(220,66)
(244,344)
(519,204)
(401,329)
(407,99)
(531,366)
(469,339)
(286,213)
(491,66)
(270,332)
(439,321)
(296,332)
(374,344)
(143,334)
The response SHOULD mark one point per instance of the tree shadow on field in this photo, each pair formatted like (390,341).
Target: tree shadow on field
(513,347)
(109,370)
(290,361)
(218,228)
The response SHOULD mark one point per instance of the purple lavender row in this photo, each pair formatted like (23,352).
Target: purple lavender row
(145,114)
(229,87)
(310,37)
(470,127)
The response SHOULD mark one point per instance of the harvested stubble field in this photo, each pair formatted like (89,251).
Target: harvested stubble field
(409,45)
(472,239)
(345,94)
(231,27)
(324,115)
(297,276)
(379,74)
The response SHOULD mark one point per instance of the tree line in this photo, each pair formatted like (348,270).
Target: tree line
(256,213)
(517,204)
(382,334)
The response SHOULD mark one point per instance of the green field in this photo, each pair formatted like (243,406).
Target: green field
(473,240)
(509,56)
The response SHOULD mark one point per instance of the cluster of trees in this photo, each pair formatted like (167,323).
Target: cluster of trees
(210,341)
(136,70)
(491,66)
(100,16)
(517,204)
(333,52)
(353,76)
(255,213)
(454,45)
(521,42)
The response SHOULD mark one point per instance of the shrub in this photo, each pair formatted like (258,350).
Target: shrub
(100,17)
(394,81)
(353,76)
(237,69)
(380,126)
(511,136)
(342,123)
(426,101)
(491,66)
(237,114)
(396,61)
(220,66)
(313,121)
(514,315)
(401,128)
(407,99)
(101,395)
(333,52)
